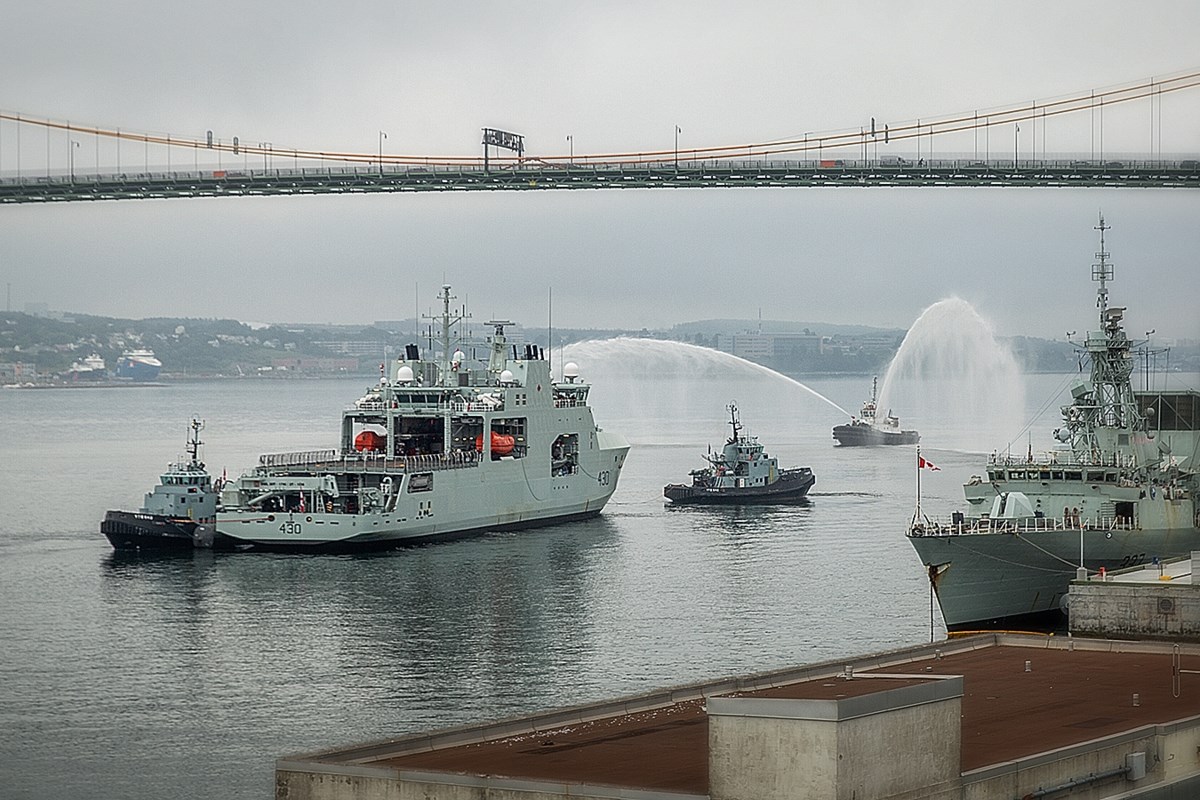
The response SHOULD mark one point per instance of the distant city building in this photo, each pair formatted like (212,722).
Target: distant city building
(355,348)
(760,347)
(315,365)
(18,372)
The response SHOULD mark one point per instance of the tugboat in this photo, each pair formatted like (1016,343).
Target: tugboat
(439,448)
(1118,488)
(741,474)
(179,514)
(864,430)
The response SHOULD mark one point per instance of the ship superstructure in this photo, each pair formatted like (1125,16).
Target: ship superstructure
(1119,489)
(436,449)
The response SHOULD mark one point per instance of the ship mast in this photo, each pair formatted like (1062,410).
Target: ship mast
(1104,416)
(447,320)
(193,443)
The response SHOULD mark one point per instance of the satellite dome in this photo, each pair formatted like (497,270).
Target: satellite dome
(459,355)
(404,374)
(571,371)
(506,376)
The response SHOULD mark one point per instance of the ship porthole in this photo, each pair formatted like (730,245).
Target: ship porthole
(1108,535)
(308,519)
(270,517)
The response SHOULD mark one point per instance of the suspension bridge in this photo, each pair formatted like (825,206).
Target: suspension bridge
(954,150)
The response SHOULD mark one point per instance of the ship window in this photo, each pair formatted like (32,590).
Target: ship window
(420,482)
(1095,476)
(1057,475)
(1016,475)
(996,475)
(1074,476)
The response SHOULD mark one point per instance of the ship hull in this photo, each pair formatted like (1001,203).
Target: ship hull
(135,370)
(1013,580)
(127,530)
(789,488)
(463,502)
(867,435)
(390,538)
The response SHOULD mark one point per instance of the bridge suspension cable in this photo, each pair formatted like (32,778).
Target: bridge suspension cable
(818,142)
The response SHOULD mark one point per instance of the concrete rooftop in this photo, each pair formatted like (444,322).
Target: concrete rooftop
(1075,691)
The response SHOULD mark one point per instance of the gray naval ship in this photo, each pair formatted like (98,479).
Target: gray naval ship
(436,449)
(1119,490)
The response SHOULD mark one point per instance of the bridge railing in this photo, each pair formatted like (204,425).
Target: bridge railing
(823,165)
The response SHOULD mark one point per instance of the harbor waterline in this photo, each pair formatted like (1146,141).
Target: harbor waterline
(135,676)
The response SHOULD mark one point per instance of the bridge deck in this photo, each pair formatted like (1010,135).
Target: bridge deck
(538,176)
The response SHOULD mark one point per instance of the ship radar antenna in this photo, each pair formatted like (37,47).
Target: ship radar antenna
(1102,271)
(447,319)
(733,421)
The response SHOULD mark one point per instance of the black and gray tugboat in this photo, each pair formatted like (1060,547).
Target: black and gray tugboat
(865,429)
(741,473)
(179,514)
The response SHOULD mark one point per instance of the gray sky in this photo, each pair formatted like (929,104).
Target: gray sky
(614,76)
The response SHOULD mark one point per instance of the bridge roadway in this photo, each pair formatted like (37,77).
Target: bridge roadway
(538,175)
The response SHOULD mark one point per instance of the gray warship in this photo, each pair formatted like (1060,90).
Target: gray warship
(1119,489)
(177,514)
(436,449)
(741,473)
(865,430)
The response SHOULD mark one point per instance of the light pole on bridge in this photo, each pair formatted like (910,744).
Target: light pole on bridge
(382,136)
(1016,138)
(71,151)
(678,130)
(571,142)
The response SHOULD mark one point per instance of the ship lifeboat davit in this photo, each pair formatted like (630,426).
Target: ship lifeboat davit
(370,441)
(502,444)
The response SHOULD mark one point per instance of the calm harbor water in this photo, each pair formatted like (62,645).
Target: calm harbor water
(158,677)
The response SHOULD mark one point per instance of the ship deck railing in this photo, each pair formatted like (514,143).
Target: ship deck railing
(1061,459)
(333,461)
(930,526)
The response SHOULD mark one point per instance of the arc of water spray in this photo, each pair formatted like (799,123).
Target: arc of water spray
(683,349)
(951,341)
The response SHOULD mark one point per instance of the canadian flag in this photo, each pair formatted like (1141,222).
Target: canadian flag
(923,464)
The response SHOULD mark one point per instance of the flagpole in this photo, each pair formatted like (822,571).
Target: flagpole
(918,517)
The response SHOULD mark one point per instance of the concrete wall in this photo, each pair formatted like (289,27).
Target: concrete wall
(766,758)
(923,745)
(1160,610)
(1058,767)
(303,781)
(897,744)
